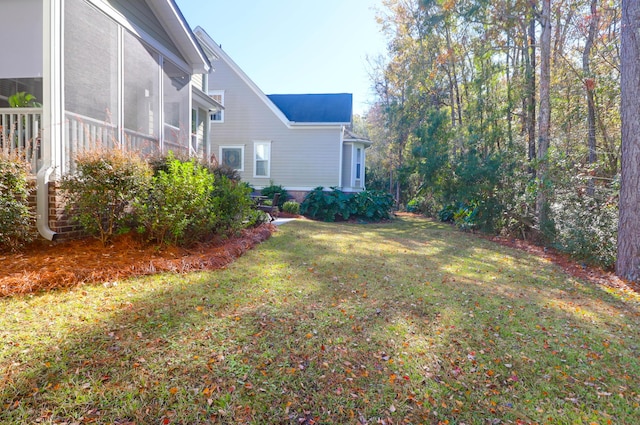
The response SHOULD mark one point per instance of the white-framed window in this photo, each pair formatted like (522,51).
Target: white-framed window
(218,96)
(262,158)
(232,156)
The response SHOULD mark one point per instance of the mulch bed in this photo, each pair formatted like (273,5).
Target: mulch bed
(47,265)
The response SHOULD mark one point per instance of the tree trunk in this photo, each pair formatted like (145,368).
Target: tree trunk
(544,120)
(531,92)
(589,83)
(628,260)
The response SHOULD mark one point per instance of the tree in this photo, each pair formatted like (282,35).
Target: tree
(589,83)
(628,260)
(544,122)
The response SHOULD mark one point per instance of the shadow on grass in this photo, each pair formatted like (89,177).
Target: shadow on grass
(333,323)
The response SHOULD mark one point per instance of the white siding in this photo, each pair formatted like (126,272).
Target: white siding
(300,158)
(197,81)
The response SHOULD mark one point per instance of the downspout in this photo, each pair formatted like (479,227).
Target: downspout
(51,113)
(341,157)
(42,203)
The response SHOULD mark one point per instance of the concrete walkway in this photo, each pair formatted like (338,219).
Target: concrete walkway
(279,221)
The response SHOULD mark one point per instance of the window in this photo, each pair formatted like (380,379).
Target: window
(358,162)
(232,156)
(218,96)
(262,159)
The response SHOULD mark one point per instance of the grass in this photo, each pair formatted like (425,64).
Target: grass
(402,322)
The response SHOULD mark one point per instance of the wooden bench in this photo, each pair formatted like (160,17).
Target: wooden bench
(272,209)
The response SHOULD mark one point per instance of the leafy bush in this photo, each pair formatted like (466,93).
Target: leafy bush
(373,204)
(335,204)
(586,226)
(463,215)
(15,218)
(466,215)
(271,190)
(291,207)
(423,204)
(327,206)
(446,214)
(103,189)
(255,218)
(178,208)
(231,205)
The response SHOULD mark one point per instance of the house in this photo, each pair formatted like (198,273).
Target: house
(106,73)
(299,141)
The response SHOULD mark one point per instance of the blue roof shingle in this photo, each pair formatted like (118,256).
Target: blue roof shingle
(315,108)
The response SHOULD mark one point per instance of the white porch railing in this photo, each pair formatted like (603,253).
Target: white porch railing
(84,133)
(20,132)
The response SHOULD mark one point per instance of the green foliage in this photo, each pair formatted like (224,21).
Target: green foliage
(255,217)
(327,205)
(231,205)
(291,207)
(586,226)
(178,208)
(100,194)
(272,189)
(23,100)
(423,204)
(15,218)
(337,205)
(372,204)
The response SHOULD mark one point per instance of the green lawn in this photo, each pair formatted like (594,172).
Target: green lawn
(402,322)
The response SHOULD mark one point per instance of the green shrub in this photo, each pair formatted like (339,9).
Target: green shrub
(327,206)
(425,205)
(463,215)
(100,193)
(231,205)
(255,218)
(373,204)
(446,214)
(586,226)
(291,207)
(271,190)
(15,219)
(335,205)
(177,209)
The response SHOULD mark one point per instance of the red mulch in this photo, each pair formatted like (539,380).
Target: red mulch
(48,265)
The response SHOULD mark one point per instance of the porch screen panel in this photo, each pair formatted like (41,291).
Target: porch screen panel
(141,94)
(177,113)
(90,76)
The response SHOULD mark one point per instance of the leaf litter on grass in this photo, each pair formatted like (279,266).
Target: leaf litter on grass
(399,322)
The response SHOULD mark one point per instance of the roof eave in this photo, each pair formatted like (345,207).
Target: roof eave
(316,124)
(175,24)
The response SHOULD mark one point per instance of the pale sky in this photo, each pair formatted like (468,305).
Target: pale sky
(296,46)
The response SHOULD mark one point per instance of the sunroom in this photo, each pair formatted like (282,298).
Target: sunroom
(83,74)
